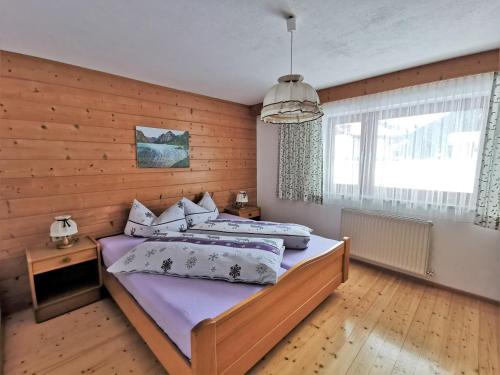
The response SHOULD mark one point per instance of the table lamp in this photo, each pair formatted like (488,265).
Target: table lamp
(61,231)
(241,199)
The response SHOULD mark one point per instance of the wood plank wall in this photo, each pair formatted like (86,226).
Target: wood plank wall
(67,145)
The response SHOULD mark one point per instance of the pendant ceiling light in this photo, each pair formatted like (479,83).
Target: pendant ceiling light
(291,101)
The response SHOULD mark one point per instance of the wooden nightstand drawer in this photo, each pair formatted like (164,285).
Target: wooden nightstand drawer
(63,261)
(250,213)
(246,212)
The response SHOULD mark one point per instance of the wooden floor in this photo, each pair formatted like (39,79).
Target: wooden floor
(375,323)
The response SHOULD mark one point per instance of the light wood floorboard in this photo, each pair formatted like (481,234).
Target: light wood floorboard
(376,323)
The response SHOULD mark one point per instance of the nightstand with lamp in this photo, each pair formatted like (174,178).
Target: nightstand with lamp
(240,207)
(66,274)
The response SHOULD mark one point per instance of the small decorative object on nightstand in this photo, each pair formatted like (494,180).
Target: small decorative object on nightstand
(241,199)
(249,212)
(62,230)
(66,279)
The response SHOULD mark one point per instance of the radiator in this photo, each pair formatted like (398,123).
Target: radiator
(395,242)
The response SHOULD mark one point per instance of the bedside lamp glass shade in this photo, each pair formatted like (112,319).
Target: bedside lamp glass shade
(63,226)
(242,197)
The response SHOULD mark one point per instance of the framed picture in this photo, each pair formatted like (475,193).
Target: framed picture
(161,148)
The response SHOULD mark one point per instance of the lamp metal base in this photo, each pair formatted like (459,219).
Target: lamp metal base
(65,243)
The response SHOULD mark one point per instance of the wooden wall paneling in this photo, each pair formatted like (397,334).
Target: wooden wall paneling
(41,70)
(32,91)
(12,129)
(482,62)
(452,68)
(67,145)
(77,116)
(26,187)
(41,168)
(12,208)
(18,149)
(91,221)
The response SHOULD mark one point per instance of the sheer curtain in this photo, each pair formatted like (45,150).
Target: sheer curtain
(410,151)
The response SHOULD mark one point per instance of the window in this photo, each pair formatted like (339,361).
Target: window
(410,149)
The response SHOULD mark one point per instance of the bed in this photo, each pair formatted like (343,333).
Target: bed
(197,326)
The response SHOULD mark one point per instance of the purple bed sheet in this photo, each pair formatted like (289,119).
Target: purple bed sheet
(317,245)
(176,304)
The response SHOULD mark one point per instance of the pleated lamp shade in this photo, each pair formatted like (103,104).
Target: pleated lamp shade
(291,101)
(63,226)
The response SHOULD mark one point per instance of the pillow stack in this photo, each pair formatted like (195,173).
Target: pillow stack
(143,223)
(177,218)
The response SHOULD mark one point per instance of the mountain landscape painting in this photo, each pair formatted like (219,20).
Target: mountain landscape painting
(161,148)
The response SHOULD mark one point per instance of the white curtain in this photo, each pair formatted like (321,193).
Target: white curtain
(409,151)
(488,200)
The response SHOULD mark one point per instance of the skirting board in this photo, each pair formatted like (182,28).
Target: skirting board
(422,280)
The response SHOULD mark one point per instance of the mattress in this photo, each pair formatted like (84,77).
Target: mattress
(176,304)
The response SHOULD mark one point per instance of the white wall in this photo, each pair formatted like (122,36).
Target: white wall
(464,256)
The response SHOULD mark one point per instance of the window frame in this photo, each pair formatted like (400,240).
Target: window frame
(368,135)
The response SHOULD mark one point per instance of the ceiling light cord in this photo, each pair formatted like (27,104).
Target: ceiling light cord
(291,26)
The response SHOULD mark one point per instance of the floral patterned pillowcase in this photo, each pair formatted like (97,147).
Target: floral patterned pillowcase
(294,236)
(143,223)
(235,259)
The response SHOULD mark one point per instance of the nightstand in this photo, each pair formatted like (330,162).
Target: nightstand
(249,212)
(62,280)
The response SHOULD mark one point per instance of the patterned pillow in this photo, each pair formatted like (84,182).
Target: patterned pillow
(205,210)
(295,236)
(143,223)
(235,259)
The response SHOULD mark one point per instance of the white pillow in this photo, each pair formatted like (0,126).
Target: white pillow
(143,223)
(205,210)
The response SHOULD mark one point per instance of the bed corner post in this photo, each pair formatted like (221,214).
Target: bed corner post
(203,348)
(345,258)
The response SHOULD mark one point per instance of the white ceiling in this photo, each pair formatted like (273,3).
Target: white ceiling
(236,50)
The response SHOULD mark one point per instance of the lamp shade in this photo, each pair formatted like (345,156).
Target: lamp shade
(63,226)
(291,101)
(242,197)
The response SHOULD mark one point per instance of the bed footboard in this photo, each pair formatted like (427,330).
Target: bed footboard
(237,339)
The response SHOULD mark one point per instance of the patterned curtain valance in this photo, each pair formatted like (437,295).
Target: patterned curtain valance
(300,168)
(488,200)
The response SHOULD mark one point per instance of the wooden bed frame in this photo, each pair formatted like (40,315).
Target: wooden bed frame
(237,339)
